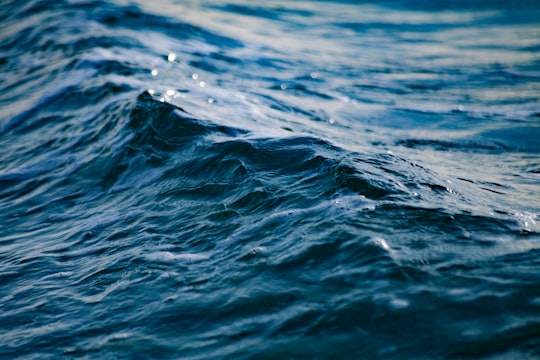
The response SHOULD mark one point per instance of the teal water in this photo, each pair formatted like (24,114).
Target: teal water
(271,180)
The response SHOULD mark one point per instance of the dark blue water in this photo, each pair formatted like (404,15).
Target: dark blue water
(269,180)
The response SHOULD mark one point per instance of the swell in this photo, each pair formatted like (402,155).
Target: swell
(132,225)
(146,143)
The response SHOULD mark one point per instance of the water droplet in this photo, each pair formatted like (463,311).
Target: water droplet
(283,86)
(170,92)
(195,76)
(314,75)
(202,84)
(211,100)
(154,72)
(171,57)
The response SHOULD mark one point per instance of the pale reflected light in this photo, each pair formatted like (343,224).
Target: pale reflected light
(379,241)
(171,57)
(399,303)
(154,72)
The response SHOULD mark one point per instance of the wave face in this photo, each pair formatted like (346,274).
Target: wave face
(231,180)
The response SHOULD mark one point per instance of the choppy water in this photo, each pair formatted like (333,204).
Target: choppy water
(269,180)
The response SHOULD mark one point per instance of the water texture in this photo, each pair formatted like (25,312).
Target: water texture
(269,180)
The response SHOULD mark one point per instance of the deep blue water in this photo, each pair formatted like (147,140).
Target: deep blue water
(269,180)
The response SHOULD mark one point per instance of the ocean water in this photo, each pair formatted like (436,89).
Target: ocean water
(207,179)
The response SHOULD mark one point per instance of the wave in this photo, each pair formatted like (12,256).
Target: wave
(230,180)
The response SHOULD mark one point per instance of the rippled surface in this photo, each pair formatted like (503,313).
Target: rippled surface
(278,179)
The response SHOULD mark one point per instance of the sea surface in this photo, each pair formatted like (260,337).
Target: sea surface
(206,179)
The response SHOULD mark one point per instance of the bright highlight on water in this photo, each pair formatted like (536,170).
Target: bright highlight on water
(269,180)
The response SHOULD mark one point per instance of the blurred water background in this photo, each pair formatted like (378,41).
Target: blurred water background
(205,179)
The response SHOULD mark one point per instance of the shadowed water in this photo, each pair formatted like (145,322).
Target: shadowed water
(270,180)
